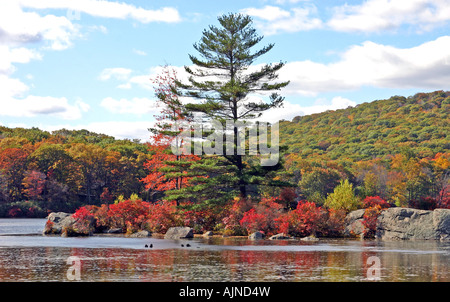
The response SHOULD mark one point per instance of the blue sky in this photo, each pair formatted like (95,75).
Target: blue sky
(87,64)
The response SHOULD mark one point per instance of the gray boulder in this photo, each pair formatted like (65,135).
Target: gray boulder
(280,236)
(353,223)
(310,238)
(75,228)
(179,233)
(57,221)
(140,234)
(64,224)
(113,231)
(413,224)
(256,236)
(208,234)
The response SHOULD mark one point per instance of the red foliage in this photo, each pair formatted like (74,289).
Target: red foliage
(200,220)
(373,205)
(372,201)
(165,134)
(34,184)
(253,221)
(15,212)
(48,226)
(430,203)
(162,216)
(235,213)
(106,196)
(262,216)
(307,219)
(83,221)
(370,220)
(82,213)
(444,198)
(288,195)
(129,215)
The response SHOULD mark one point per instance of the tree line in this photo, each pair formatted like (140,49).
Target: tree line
(60,171)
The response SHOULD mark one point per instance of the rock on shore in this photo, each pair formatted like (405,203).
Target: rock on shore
(413,224)
(280,236)
(57,221)
(64,224)
(353,223)
(179,233)
(256,236)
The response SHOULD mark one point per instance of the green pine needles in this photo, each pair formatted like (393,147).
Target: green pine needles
(223,84)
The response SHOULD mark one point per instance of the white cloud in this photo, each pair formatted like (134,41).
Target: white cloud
(289,1)
(122,129)
(124,86)
(425,66)
(10,55)
(371,64)
(107,9)
(138,106)
(19,27)
(11,88)
(379,15)
(117,73)
(369,16)
(269,13)
(139,52)
(13,102)
(272,20)
(145,81)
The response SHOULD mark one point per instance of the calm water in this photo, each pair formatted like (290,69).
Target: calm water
(44,258)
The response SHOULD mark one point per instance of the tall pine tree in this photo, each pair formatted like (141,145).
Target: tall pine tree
(223,80)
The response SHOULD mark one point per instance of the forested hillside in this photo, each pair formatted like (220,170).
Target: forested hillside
(419,124)
(62,170)
(397,148)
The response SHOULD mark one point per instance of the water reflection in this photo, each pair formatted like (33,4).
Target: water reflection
(236,261)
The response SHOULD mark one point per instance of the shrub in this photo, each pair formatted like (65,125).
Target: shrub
(15,212)
(262,217)
(423,203)
(102,220)
(370,220)
(343,198)
(234,214)
(372,201)
(288,197)
(84,222)
(200,219)
(373,206)
(129,215)
(162,216)
(307,219)
(335,223)
(27,208)
(253,221)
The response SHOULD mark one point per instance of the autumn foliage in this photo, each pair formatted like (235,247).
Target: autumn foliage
(163,165)
(373,206)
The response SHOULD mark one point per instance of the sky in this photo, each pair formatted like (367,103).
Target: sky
(88,64)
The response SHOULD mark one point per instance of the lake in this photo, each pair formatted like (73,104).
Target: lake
(26,255)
